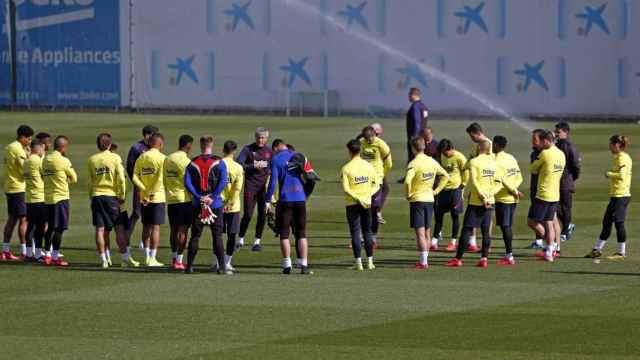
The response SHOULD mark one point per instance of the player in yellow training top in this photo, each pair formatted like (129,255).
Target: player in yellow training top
(36,211)
(178,199)
(57,173)
(507,198)
(14,188)
(231,197)
(450,198)
(107,189)
(148,178)
(418,184)
(376,151)
(359,183)
(549,167)
(484,184)
(619,197)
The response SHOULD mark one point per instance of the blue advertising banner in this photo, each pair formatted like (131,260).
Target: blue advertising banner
(68,52)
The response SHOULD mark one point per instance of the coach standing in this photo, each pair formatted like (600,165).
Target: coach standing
(255,159)
(569,176)
(416,120)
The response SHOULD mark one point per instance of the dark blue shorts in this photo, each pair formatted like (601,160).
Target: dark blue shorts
(477,216)
(541,210)
(105,211)
(16,205)
(505,214)
(231,223)
(37,213)
(180,214)
(450,201)
(153,214)
(420,214)
(58,215)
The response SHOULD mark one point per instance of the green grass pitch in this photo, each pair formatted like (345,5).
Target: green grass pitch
(571,309)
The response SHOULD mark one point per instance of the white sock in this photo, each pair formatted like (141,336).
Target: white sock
(454,241)
(370,259)
(600,244)
(174,255)
(557,247)
(299,261)
(6,247)
(539,242)
(257,242)
(153,253)
(23,249)
(508,256)
(38,253)
(286,262)
(47,253)
(227,260)
(241,241)
(303,262)
(359,260)
(103,257)
(434,242)
(622,247)
(54,254)
(107,252)
(549,251)
(179,258)
(147,252)
(424,257)
(29,251)
(472,241)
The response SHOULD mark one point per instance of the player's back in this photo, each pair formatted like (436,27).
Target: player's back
(149,170)
(289,179)
(57,173)
(550,167)
(32,174)
(483,176)
(174,168)
(361,179)
(424,170)
(235,178)
(105,173)
(510,174)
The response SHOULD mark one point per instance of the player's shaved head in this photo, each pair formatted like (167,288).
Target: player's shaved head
(103,141)
(229,147)
(377,127)
(156,140)
(484,146)
(61,143)
(418,144)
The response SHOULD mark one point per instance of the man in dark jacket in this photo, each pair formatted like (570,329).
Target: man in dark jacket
(417,117)
(569,176)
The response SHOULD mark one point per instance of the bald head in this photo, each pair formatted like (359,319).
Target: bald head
(484,146)
(377,127)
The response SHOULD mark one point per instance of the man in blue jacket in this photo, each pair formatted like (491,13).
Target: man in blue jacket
(416,120)
(205,178)
(291,208)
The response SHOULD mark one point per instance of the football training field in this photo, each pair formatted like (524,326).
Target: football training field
(570,309)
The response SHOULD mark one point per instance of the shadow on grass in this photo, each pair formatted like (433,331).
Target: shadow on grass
(593,273)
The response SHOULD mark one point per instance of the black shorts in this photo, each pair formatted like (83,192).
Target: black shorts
(123,219)
(376,199)
(58,215)
(505,214)
(180,214)
(16,205)
(153,214)
(541,210)
(449,201)
(105,211)
(420,214)
(231,222)
(617,209)
(477,216)
(37,213)
(291,214)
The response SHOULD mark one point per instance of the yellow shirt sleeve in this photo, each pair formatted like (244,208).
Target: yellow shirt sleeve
(385,153)
(136,176)
(121,182)
(408,182)
(71,173)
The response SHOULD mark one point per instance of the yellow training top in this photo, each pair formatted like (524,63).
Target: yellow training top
(105,175)
(175,166)
(233,189)
(620,175)
(359,182)
(14,157)
(549,166)
(377,154)
(456,166)
(57,173)
(32,173)
(511,178)
(484,179)
(148,176)
(420,177)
